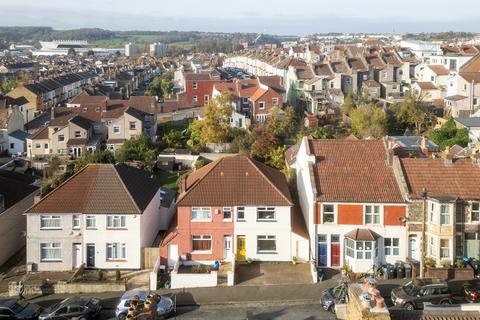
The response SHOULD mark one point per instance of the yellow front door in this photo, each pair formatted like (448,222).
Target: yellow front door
(241,250)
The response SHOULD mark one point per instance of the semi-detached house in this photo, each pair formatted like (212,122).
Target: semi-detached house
(101,217)
(351,202)
(234,208)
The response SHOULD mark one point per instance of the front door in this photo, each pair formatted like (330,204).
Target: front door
(90,255)
(335,250)
(241,249)
(413,248)
(77,255)
(172,254)
(227,247)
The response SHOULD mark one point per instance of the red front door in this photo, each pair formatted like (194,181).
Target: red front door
(335,254)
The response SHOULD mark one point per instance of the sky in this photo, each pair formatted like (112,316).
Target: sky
(282,17)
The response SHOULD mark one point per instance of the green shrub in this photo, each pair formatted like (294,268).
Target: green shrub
(99,274)
(118,275)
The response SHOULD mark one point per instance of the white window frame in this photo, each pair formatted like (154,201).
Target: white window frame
(266,209)
(54,246)
(475,211)
(195,85)
(76,222)
(90,218)
(227,210)
(432,213)
(261,105)
(50,218)
(240,210)
(204,211)
(363,250)
(373,214)
(334,212)
(132,125)
(442,248)
(77,134)
(116,251)
(61,137)
(350,248)
(202,237)
(245,100)
(116,129)
(445,217)
(116,221)
(266,238)
(195,98)
(391,247)
(275,101)
(432,247)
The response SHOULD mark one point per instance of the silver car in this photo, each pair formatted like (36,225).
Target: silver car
(164,307)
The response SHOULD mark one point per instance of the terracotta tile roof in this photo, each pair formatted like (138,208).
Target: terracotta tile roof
(362,235)
(353,171)
(84,98)
(198,76)
(371,84)
(76,142)
(291,153)
(100,189)
(439,69)
(323,70)
(236,180)
(374,60)
(426,86)
(357,64)
(258,94)
(457,180)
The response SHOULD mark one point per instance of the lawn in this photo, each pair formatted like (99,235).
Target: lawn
(169,180)
(168,126)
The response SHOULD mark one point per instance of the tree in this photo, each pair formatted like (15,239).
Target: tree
(9,85)
(161,85)
(369,121)
(450,135)
(173,139)
(72,52)
(322,133)
(276,158)
(90,53)
(282,124)
(265,143)
(194,133)
(167,87)
(413,111)
(140,148)
(216,125)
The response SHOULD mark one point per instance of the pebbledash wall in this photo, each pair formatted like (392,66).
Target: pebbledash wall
(140,231)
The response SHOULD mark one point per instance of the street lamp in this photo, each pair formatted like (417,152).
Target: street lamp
(424,195)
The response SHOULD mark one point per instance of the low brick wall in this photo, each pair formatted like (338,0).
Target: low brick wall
(359,309)
(450,273)
(63,287)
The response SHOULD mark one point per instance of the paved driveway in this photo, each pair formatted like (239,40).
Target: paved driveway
(257,273)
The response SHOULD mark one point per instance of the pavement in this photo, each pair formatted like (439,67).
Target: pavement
(267,273)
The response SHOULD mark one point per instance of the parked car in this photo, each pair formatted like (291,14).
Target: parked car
(331,296)
(472,293)
(75,307)
(19,309)
(413,294)
(164,307)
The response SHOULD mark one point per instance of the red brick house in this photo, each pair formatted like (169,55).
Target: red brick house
(233,208)
(264,100)
(198,88)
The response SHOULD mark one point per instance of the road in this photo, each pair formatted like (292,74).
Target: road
(279,311)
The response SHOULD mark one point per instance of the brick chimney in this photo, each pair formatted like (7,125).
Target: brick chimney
(448,157)
(52,113)
(390,153)
(475,156)
(423,146)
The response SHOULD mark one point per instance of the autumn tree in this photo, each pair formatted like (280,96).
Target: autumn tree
(348,105)
(173,139)
(413,111)
(216,124)
(265,142)
(194,133)
(282,124)
(369,121)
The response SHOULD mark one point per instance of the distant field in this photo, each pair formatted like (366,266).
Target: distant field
(140,40)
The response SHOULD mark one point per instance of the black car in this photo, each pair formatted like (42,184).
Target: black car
(331,296)
(76,307)
(19,309)
(472,293)
(413,294)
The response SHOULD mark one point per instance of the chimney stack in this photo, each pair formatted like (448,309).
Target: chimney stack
(390,153)
(475,156)
(448,156)
(52,113)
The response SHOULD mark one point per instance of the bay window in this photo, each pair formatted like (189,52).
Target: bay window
(201,214)
(116,251)
(50,222)
(50,252)
(432,213)
(432,248)
(444,249)
(202,243)
(265,214)
(266,244)
(350,248)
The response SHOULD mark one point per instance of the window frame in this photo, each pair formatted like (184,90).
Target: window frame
(372,214)
(432,213)
(194,85)
(116,129)
(275,101)
(229,210)
(200,209)
(432,247)
(51,218)
(445,217)
(57,246)
(76,224)
(261,105)
(261,238)
(77,134)
(477,211)
(391,247)
(132,125)
(202,237)
(334,213)
(90,218)
(266,210)
(242,210)
(113,219)
(442,248)
(118,251)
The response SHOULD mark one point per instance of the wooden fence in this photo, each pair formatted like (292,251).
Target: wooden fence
(150,256)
